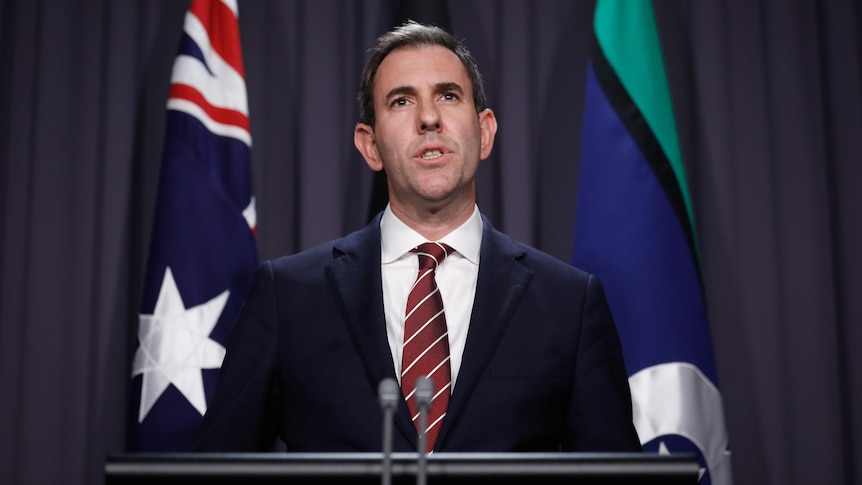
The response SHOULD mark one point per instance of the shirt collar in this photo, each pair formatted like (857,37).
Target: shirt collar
(398,239)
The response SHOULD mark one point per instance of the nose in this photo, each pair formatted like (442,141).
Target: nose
(429,117)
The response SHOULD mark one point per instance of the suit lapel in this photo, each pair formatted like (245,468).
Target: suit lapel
(502,279)
(354,274)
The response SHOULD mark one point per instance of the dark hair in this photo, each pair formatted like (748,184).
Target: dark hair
(413,34)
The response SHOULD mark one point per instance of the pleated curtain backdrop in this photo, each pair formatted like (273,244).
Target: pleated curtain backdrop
(768,98)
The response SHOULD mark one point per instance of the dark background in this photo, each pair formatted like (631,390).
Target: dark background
(768,99)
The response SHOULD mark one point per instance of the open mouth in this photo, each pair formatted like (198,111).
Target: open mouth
(431,154)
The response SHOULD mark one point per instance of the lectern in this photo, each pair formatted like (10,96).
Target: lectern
(366,468)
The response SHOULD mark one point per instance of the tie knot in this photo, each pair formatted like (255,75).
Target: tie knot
(431,254)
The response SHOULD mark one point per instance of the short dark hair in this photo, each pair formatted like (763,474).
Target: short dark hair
(413,34)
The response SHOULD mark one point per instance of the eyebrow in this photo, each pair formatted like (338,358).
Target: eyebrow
(400,90)
(450,87)
(443,87)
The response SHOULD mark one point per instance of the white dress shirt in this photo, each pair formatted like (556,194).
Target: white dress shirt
(456,280)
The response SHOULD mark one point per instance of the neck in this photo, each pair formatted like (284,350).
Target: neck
(433,225)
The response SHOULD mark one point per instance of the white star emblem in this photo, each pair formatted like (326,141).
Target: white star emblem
(175,346)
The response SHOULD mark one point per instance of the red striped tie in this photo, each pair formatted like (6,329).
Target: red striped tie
(426,340)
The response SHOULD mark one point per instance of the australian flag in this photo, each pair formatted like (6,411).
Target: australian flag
(635,229)
(203,253)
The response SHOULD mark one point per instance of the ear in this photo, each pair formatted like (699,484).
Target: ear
(363,138)
(487,132)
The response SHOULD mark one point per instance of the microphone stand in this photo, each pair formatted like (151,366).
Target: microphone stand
(424,395)
(388,392)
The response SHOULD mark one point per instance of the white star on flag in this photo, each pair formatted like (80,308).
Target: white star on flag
(175,346)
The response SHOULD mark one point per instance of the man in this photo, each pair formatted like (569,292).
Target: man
(527,357)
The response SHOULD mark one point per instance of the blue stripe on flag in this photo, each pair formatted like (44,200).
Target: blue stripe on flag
(628,233)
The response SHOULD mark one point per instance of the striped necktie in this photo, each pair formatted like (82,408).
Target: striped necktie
(426,341)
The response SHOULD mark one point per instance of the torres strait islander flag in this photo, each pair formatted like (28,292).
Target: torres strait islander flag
(635,230)
(203,252)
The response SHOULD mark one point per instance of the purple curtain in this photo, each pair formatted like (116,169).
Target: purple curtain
(768,96)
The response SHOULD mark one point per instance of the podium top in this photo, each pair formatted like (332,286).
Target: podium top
(442,468)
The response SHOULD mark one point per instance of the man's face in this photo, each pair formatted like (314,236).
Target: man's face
(428,136)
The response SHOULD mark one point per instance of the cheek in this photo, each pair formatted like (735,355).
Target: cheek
(387,144)
(474,151)
(387,158)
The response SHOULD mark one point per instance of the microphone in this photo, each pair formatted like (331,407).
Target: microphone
(389,393)
(424,395)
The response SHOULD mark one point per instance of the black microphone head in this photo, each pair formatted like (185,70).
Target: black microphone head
(389,393)
(424,392)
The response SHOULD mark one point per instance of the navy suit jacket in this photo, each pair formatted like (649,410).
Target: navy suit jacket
(542,367)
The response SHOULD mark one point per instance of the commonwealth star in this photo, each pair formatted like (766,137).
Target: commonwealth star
(174,346)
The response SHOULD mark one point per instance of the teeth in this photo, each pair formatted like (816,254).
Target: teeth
(431,154)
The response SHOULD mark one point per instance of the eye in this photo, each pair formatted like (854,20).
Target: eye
(450,96)
(397,102)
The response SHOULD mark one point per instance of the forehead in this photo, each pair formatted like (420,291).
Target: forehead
(418,67)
